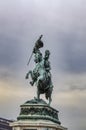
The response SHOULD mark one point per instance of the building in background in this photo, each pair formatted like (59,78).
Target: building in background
(4,124)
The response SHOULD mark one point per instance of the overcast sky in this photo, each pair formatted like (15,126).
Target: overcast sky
(63,25)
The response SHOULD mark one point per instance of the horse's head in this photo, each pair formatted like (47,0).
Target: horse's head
(38,57)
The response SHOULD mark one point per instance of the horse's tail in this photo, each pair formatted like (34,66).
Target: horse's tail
(48,93)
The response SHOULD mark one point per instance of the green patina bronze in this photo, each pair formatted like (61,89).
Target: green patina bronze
(37,109)
(41,75)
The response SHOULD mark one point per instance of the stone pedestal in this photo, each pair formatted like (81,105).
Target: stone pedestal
(36,114)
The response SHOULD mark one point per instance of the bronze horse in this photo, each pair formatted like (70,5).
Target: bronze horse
(42,80)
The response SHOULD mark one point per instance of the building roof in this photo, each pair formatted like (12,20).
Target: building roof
(4,124)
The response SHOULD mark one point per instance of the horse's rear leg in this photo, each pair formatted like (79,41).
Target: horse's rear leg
(38,95)
(50,100)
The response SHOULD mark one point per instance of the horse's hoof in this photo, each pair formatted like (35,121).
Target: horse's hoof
(31,83)
(26,77)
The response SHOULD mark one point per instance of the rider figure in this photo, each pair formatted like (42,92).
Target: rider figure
(48,67)
(46,61)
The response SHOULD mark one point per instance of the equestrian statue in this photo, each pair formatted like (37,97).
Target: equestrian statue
(41,75)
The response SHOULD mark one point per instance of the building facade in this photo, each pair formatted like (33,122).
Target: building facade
(4,124)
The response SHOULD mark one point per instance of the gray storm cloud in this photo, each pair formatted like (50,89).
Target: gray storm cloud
(63,28)
(63,24)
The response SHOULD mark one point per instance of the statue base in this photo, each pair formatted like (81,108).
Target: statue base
(37,114)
